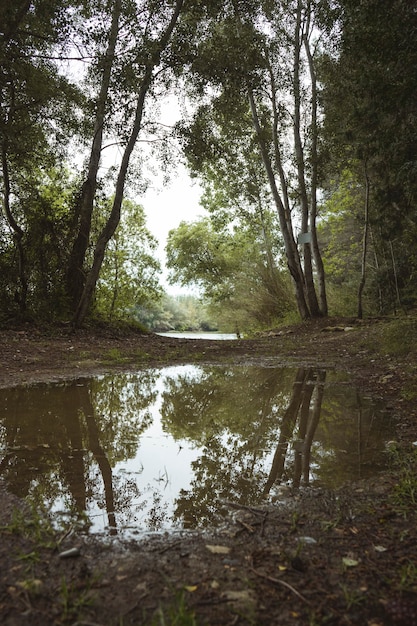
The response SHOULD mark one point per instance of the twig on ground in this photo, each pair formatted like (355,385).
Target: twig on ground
(281,582)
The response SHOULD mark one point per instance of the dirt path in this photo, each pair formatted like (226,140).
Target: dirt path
(345,557)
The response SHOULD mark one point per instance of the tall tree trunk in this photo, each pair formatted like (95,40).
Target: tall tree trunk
(286,430)
(301,168)
(18,233)
(85,202)
(321,281)
(114,218)
(293,259)
(364,246)
(282,205)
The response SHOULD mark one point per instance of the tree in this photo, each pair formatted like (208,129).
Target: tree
(38,107)
(85,202)
(341,233)
(370,117)
(129,276)
(247,56)
(231,270)
(150,68)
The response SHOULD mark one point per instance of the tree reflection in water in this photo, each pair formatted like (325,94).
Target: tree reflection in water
(221,434)
(61,442)
(257,427)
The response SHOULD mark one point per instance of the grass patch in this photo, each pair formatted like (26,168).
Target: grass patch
(404,494)
(176,614)
(33,525)
(75,600)
(399,337)
(114,356)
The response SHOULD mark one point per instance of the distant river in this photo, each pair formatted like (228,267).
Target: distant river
(197,335)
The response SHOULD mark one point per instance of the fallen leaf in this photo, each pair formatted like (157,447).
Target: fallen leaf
(218,549)
(282,568)
(191,588)
(380,548)
(348,562)
(307,540)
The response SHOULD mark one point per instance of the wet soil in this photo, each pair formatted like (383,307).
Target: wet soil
(326,557)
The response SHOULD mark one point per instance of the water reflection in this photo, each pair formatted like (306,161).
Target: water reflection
(163,448)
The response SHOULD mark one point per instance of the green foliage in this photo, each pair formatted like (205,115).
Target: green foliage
(39,110)
(244,288)
(129,275)
(399,337)
(370,118)
(341,232)
(180,313)
(218,51)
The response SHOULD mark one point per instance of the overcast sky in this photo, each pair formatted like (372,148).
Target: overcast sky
(166,207)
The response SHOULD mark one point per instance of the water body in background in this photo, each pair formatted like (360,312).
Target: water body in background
(166,448)
(200,335)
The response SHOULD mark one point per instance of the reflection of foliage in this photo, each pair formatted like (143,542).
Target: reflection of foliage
(254,426)
(206,402)
(241,416)
(122,404)
(226,471)
(48,430)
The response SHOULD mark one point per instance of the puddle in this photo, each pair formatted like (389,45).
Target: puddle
(164,448)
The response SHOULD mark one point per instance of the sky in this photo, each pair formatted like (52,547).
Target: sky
(165,207)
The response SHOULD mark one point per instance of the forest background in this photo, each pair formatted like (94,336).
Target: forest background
(298,119)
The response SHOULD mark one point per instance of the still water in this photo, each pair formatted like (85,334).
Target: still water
(167,448)
(199,335)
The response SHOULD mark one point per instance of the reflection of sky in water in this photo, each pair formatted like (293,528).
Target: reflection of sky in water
(162,448)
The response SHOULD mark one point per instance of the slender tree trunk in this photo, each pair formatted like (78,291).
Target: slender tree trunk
(364,246)
(286,430)
(85,202)
(114,218)
(321,281)
(18,233)
(301,168)
(282,206)
(293,258)
(377,267)
(394,269)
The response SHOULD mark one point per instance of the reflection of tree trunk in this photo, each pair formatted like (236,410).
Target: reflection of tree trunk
(73,462)
(359,405)
(287,427)
(307,391)
(312,424)
(302,427)
(101,458)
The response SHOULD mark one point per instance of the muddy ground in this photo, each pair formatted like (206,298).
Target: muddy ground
(328,557)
